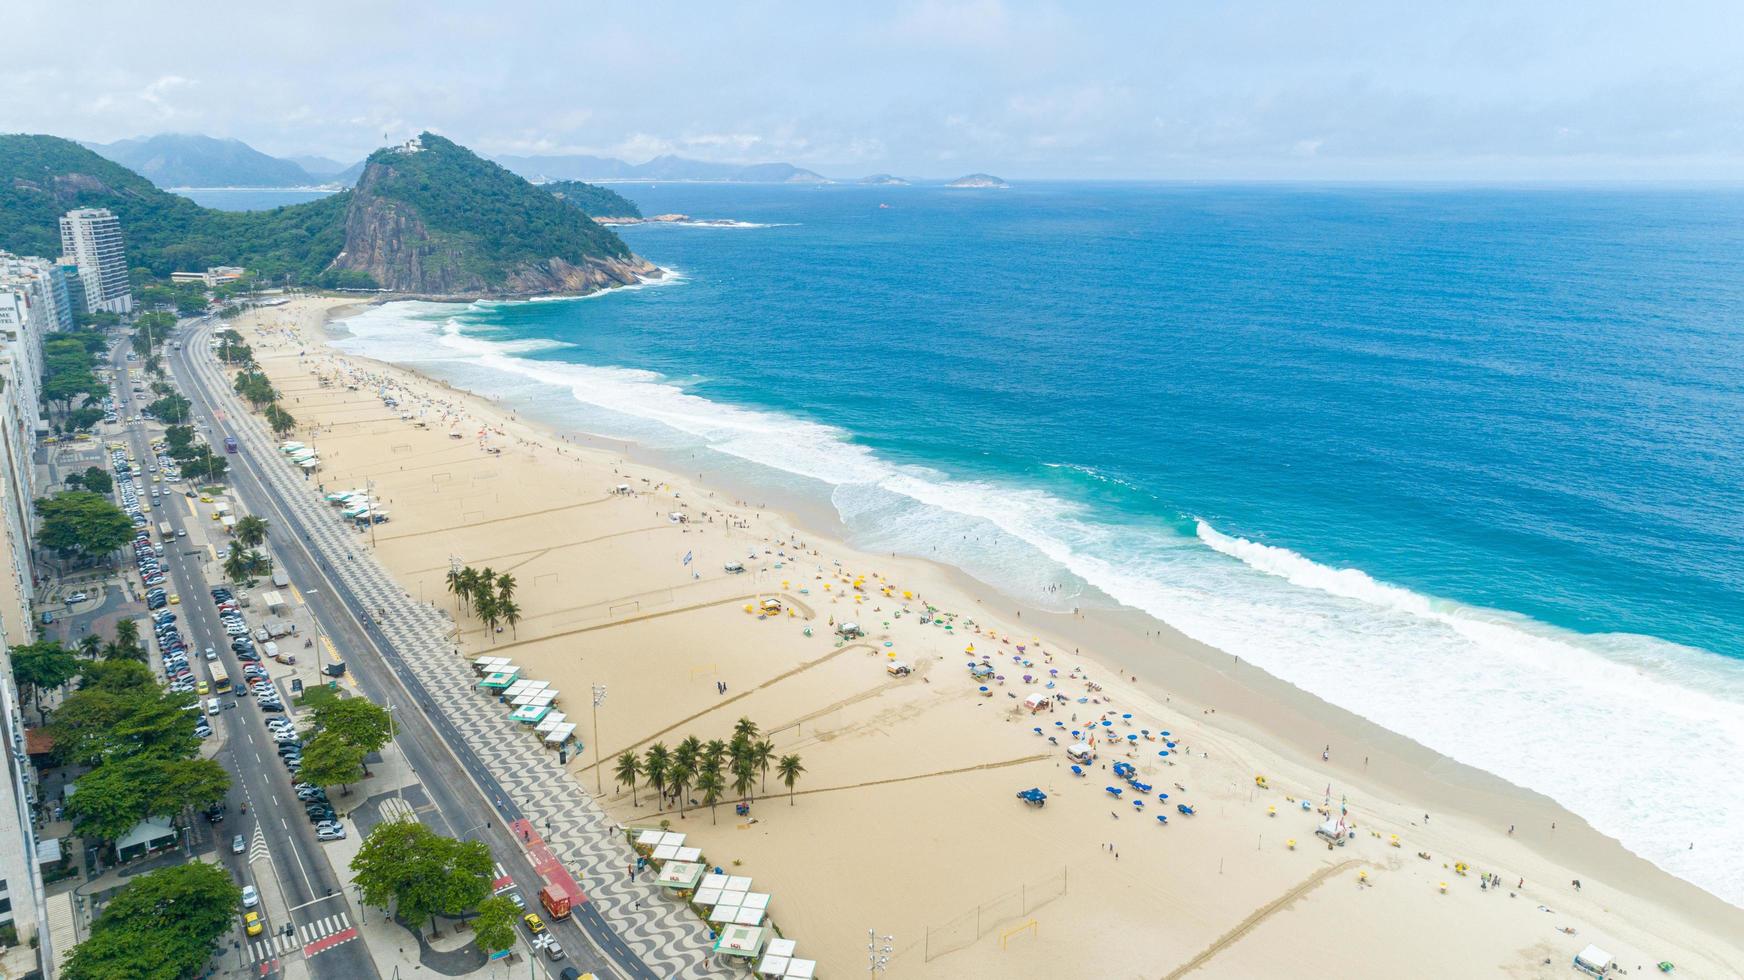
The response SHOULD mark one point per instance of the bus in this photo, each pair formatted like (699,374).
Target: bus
(220,678)
(230,444)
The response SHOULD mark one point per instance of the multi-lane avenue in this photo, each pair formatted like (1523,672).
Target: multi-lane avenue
(467,801)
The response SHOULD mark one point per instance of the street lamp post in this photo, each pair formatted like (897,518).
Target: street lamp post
(878,950)
(599,762)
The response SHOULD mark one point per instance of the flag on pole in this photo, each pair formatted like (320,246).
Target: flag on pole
(687,558)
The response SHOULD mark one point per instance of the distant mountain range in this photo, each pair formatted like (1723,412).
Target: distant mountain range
(191,160)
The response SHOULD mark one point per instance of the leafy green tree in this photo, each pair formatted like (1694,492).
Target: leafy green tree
(250,531)
(107,802)
(113,716)
(494,926)
(328,759)
(790,770)
(42,666)
(178,437)
(175,784)
(164,925)
(205,464)
(420,872)
(256,388)
(357,721)
(629,768)
(98,480)
(79,523)
(172,409)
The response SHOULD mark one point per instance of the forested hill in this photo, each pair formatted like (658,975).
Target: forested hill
(433,218)
(43,177)
(430,218)
(594,201)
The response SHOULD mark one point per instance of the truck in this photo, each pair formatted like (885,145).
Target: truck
(281,580)
(556,902)
(164,530)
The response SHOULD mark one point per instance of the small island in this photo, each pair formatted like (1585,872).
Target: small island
(674,219)
(883,180)
(978,180)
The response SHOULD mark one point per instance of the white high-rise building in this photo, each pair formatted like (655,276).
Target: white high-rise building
(91,237)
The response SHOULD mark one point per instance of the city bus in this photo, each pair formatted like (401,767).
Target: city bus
(220,678)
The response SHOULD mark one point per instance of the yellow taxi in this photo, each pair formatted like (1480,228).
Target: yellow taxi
(202,689)
(251,923)
(205,498)
(175,600)
(535,925)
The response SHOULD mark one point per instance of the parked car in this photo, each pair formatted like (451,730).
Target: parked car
(334,831)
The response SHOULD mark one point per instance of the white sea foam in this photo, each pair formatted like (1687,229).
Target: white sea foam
(1631,732)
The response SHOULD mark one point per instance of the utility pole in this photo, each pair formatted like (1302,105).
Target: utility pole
(369,489)
(599,762)
(878,950)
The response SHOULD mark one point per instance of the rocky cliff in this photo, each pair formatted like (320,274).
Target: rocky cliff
(429,218)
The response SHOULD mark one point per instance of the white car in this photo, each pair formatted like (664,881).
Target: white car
(250,897)
(330,830)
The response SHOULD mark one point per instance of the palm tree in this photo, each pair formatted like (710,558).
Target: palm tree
(258,563)
(467,587)
(251,531)
(456,584)
(127,633)
(654,763)
(511,613)
(762,754)
(485,604)
(745,728)
(629,767)
(713,753)
(689,749)
(709,783)
(744,778)
(790,770)
(506,586)
(679,774)
(91,644)
(236,566)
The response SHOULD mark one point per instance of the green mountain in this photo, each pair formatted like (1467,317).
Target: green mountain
(192,160)
(434,220)
(43,177)
(594,201)
(431,217)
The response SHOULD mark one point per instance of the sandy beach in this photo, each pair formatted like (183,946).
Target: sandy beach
(905,820)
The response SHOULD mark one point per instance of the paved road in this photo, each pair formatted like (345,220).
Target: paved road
(469,802)
(283,854)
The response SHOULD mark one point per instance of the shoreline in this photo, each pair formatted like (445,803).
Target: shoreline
(1256,717)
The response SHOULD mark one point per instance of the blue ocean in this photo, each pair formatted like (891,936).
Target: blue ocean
(1468,462)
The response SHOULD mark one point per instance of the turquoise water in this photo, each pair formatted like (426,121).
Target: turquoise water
(1467,462)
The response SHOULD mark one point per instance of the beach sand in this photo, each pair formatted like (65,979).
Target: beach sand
(905,820)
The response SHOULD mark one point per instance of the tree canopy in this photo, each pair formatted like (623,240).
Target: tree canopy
(329,760)
(422,873)
(163,925)
(79,523)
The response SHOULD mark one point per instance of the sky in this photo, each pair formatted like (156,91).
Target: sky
(1305,90)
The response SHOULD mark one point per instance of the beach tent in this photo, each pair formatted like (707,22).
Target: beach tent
(518,686)
(562,733)
(679,875)
(549,722)
(483,664)
(526,694)
(530,714)
(1036,702)
(290,447)
(737,940)
(500,679)
(310,463)
(1592,960)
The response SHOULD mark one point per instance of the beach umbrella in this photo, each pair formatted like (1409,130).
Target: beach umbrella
(1132,738)
(1164,753)
(1169,744)
(1165,734)
(983,689)
(1053,670)
(1038,730)
(1128,717)
(1074,733)
(1138,804)
(1107,724)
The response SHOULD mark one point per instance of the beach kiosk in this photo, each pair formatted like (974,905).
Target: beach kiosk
(679,875)
(1593,961)
(1037,702)
(560,735)
(743,942)
(549,722)
(850,631)
(499,680)
(898,668)
(530,714)
(1081,753)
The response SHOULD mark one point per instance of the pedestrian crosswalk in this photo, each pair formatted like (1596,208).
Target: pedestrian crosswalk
(396,809)
(268,947)
(327,925)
